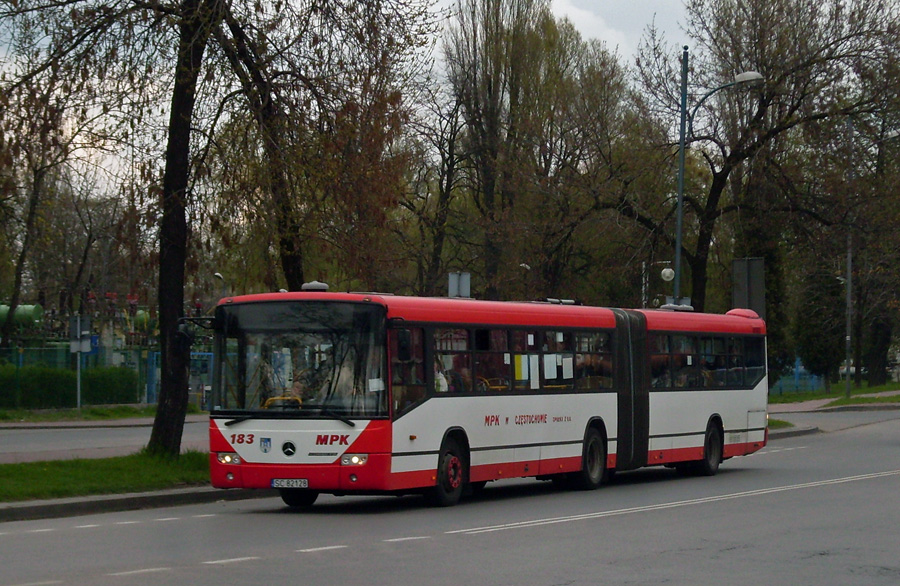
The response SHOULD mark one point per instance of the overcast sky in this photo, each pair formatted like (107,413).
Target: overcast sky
(621,23)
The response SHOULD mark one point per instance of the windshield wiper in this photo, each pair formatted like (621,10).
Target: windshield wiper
(334,415)
(338,416)
(238,419)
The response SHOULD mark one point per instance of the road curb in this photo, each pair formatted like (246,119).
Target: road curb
(792,432)
(75,506)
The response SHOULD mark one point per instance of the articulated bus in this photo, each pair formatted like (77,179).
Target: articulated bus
(354,393)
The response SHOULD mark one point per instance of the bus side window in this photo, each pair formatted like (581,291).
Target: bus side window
(559,361)
(493,364)
(407,367)
(593,361)
(525,359)
(660,361)
(735,362)
(453,360)
(686,370)
(755,360)
(713,360)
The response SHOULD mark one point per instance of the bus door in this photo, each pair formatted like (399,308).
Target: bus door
(632,376)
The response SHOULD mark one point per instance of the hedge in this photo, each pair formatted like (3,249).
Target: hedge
(42,387)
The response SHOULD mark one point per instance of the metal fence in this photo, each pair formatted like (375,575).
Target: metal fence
(144,361)
(798,380)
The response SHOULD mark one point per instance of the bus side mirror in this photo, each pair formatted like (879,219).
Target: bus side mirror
(404,346)
(186,333)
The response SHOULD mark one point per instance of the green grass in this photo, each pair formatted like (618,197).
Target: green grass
(779,424)
(837,393)
(94,413)
(864,400)
(68,478)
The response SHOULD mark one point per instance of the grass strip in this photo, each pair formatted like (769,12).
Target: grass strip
(93,413)
(837,394)
(843,401)
(68,478)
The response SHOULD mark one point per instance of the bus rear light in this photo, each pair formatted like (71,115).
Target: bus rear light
(228,458)
(354,459)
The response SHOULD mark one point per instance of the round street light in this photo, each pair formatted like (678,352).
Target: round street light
(747,77)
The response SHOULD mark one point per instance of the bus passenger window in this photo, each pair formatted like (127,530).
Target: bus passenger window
(451,351)
(713,361)
(735,362)
(660,362)
(559,361)
(493,362)
(407,367)
(686,370)
(525,360)
(593,361)
(755,360)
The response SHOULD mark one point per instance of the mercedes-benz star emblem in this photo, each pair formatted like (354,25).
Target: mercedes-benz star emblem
(289,448)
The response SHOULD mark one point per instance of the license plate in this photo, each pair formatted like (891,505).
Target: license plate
(290,483)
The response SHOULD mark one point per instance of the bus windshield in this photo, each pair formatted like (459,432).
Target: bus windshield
(301,358)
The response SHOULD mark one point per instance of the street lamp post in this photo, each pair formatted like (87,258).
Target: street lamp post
(848,281)
(687,123)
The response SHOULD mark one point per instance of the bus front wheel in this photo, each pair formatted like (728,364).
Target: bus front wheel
(451,476)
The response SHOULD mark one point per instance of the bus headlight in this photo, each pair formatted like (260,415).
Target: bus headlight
(228,458)
(354,459)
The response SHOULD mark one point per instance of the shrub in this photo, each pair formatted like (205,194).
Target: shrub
(42,387)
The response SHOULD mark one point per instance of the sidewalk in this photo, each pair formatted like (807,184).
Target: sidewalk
(820,405)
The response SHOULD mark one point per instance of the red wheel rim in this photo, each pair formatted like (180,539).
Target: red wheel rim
(454,472)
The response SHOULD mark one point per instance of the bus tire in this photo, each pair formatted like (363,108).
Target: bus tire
(298,497)
(451,476)
(593,462)
(712,451)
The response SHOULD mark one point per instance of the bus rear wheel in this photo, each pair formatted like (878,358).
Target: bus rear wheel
(712,452)
(593,462)
(298,497)
(451,476)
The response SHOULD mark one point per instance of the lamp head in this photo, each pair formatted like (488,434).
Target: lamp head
(753,77)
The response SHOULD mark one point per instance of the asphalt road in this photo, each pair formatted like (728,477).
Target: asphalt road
(35,442)
(811,509)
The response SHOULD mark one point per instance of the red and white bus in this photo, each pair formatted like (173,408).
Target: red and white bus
(344,393)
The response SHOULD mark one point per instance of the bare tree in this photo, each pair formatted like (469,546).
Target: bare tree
(819,60)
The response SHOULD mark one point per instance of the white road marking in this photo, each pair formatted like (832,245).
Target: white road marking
(86,526)
(326,548)
(776,450)
(672,505)
(399,539)
(141,571)
(232,560)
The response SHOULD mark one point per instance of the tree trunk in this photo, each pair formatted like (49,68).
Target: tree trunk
(197,18)
(37,187)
